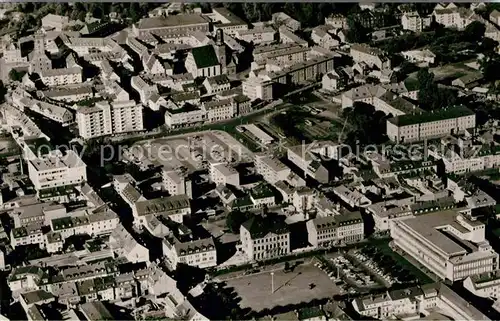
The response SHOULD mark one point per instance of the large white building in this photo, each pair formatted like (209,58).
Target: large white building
(439,123)
(223,174)
(257,88)
(57,170)
(264,238)
(176,182)
(105,119)
(257,35)
(331,230)
(447,243)
(452,16)
(271,168)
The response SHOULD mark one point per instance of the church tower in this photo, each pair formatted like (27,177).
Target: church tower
(220,49)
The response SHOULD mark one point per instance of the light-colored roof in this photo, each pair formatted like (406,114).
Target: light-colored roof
(52,161)
(171,21)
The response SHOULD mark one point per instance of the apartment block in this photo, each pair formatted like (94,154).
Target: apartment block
(223,174)
(271,168)
(439,123)
(62,76)
(448,243)
(105,119)
(257,88)
(176,182)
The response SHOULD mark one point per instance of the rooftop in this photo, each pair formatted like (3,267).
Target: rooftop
(427,117)
(171,21)
(205,56)
(260,226)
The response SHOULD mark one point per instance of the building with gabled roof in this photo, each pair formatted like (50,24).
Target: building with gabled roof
(203,62)
(173,207)
(125,245)
(330,230)
(200,253)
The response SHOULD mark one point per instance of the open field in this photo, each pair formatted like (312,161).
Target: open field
(450,71)
(289,288)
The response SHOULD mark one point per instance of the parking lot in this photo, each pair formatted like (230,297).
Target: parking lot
(190,151)
(356,279)
(303,283)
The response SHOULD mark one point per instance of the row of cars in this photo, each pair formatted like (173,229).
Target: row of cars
(372,265)
(354,274)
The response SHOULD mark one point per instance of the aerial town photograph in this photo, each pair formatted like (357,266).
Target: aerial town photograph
(249,161)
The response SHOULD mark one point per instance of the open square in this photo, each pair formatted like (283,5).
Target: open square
(289,288)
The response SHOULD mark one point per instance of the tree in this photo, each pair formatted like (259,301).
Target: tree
(474,31)
(356,33)
(15,75)
(234,220)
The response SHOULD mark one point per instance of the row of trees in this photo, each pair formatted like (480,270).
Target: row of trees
(430,96)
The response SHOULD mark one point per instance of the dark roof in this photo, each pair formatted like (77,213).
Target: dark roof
(426,117)
(260,226)
(205,56)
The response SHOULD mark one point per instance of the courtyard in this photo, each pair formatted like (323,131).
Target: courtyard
(303,283)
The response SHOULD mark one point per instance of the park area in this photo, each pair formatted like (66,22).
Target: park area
(301,284)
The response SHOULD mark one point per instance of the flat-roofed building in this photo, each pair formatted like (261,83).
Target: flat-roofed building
(105,119)
(485,285)
(223,174)
(176,182)
(448,243)
(271,168)
(257,35)
(439,123)
(186,116)
(57,170)
(227,21)
(56,22)
(305,71)
(257,88)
